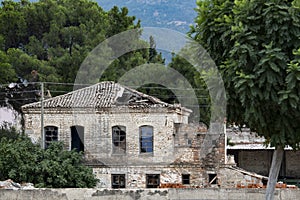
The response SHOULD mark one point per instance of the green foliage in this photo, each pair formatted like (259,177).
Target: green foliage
(255,45)
(8,131)
(54,37)
(61,168)
(23,161)
(197,82)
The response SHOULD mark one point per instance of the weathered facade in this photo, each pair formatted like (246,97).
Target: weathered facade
(131,140)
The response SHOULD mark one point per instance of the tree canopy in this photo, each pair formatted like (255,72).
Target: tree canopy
(23,161)
(53,38)
(256,47)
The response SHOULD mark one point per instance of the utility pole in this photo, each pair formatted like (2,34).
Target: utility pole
(42,117)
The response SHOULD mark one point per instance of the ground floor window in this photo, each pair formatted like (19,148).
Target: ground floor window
(152,180)
(185,179)
(118,180)
(212,178)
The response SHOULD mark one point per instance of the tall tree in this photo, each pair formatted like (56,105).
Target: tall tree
(256,45)
(54,37)
(197,82)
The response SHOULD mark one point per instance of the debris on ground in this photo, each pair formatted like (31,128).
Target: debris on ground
(11,185)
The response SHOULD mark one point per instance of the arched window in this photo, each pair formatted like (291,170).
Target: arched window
(146,139)
(51,134)
(119,139)
(77,138)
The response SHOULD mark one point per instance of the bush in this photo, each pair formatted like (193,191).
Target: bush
(23,161)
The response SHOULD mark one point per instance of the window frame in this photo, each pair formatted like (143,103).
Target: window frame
(187,178)
(146,139)
(53,135)
(121,146)
(150,178)
(115,185)
(80,135)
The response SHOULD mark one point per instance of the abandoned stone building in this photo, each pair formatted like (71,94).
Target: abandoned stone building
(130,139)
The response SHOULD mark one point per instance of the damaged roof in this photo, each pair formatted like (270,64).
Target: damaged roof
(102,95)
(244,139)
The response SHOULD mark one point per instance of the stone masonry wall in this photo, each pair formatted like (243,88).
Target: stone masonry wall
(98,134)
(136,175)
(178,148)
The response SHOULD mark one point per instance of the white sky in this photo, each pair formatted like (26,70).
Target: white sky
(7,115)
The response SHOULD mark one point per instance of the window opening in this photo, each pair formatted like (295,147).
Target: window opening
(152,180)
(118,181)
(146,139)
(212,178)
(119,139)
(51,134)
(185,179)
(77,138)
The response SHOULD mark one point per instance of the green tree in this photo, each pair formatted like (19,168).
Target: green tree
(154,56)
(255,44)
(197,82)
(60,168)
(54,37)
(23,161)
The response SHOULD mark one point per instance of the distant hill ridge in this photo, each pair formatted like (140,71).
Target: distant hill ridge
(174,14)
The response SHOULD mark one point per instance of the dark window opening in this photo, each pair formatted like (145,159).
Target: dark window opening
(77,138)
(185,179)
(118,180)
(152,180)
(119,139)
(51,135)
(212,178)
(146,139)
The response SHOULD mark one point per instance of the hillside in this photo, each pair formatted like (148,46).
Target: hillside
(173,14)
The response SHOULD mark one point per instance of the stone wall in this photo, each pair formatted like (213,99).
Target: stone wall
(232,177)
(136,175)
(178,148)
(98,133)
(147,194)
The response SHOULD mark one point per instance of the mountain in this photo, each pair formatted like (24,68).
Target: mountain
(173,14)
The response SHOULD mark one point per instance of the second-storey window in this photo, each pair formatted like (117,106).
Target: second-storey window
(146,139)
(77,138)
(119,139)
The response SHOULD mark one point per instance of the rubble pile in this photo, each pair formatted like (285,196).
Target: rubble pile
(11,185)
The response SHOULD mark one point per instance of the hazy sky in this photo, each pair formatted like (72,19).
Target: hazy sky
(6,115)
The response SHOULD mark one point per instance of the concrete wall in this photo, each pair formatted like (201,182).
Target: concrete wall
(292,166)
(249,160)
(147,194)
(259,161)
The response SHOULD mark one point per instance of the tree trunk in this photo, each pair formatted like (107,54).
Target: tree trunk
(274,171)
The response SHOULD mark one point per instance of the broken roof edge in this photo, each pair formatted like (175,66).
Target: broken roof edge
(253,174)
(111,95)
